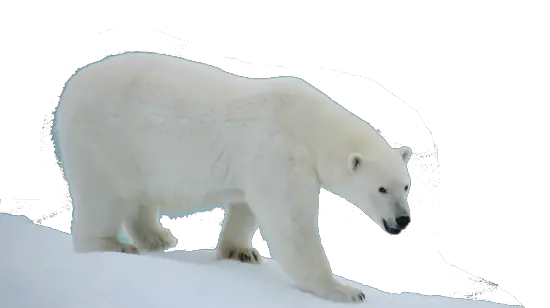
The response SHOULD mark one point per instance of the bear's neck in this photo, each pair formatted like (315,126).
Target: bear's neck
(321,125)
(331,133)
(335,127)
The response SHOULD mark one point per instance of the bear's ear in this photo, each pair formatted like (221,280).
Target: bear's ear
(405,153)
(355,161)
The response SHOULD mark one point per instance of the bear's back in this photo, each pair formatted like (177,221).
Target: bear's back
(145,75)
(157,117)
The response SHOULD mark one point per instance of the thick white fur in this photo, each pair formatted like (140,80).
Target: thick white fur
(141,132)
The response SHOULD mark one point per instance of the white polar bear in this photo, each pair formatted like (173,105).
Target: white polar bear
(139,132)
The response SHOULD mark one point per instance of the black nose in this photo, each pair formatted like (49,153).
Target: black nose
(403,221)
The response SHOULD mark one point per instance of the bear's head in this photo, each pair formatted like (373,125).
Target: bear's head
(379,186)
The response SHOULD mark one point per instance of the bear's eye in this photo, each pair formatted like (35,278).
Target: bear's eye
(406,187)
(382,190)
(355,163)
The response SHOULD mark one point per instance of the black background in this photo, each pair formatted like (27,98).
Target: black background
(421,88)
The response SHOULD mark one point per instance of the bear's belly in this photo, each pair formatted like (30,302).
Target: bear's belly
(189,202)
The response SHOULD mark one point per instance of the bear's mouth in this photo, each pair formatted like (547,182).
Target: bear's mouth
(390,230)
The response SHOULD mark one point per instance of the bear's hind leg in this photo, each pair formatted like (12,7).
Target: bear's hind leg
(146,231)
(96,222)
(235,240)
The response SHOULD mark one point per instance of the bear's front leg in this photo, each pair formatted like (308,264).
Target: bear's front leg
(235,240)
(286,206)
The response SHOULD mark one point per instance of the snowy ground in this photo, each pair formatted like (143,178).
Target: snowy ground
(39,270)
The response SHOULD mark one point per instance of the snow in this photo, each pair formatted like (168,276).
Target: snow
(38,269)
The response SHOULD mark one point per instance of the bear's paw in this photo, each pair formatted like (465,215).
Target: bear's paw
(245,255)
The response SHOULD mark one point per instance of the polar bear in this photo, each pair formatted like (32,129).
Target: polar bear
(138,133)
